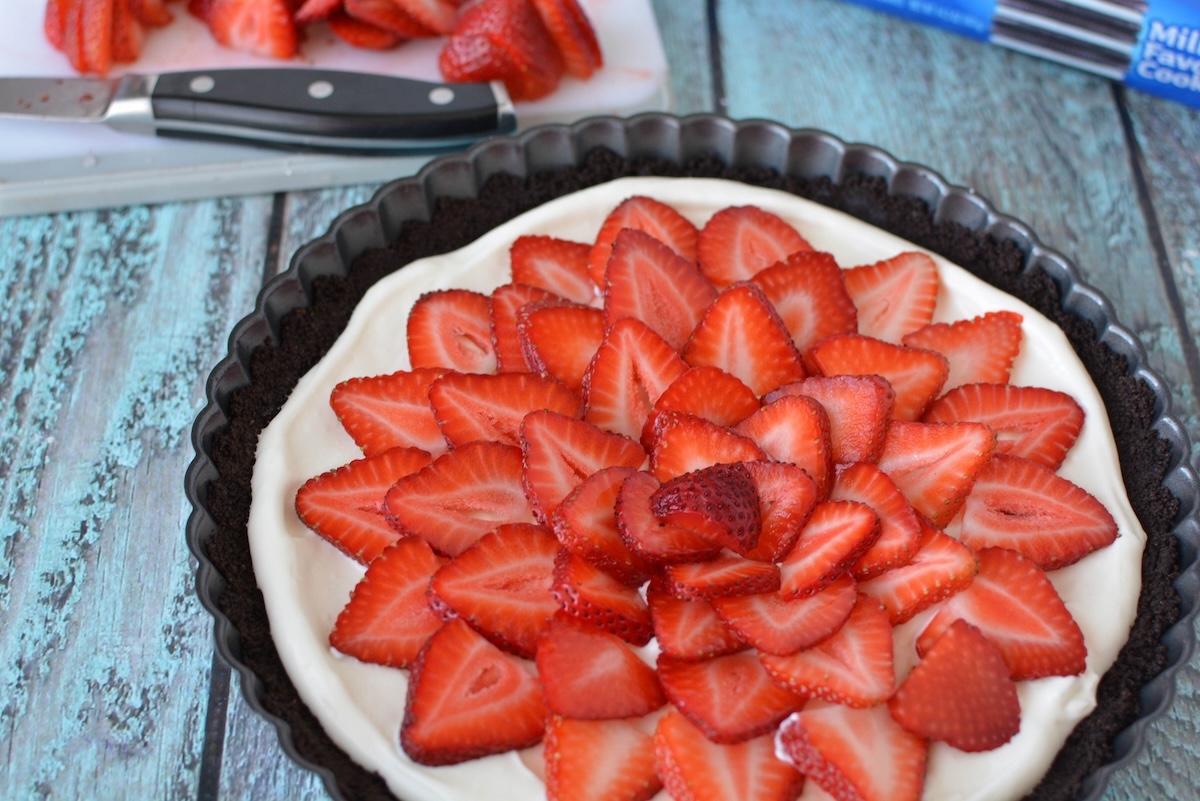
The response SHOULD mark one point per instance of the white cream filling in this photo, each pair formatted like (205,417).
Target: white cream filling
(306,582)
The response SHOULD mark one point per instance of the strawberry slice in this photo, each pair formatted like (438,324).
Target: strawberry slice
(586,524)
(560,339)
(573,35)
(777,625)
(468,699)
(649,281)
(556,265)
(681,443)
(559,452)
(808,292)
(1014,604)
(836,536)
(627,375)
(590,594)
(942,566)
(980,350)
(261,27)
(651,538)
(360,33)
(693,768)
(389,411)
(738,242)
(96,26)
(311,11)
(796,430)
(462,495)
(643,214)
(726,575)
(894,297)
(719,502)
(689,629)
(127,34)
(786,498)
(500,40)
(853,667)
(899,526)
(439,16)
(741,334)
(507,301)
(388,15)
(1029,508)
(388,619)
(1030,422)
(707,392)
(501,586)
(855,754)
(470,406)
(599,760)
(916,376)
(935,464)
(960,693)
(346,505)
(729,698)
(451,329)
(54,22)
(858,407)
(575,659)
(153,13)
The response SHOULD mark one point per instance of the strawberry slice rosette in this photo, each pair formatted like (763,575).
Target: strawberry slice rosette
(681,486)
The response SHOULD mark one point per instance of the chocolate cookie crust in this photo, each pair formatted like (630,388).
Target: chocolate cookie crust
(306,333)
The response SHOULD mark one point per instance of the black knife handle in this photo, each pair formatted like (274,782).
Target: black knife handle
(320,108)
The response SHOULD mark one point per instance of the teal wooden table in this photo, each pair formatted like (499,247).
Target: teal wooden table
(112,319)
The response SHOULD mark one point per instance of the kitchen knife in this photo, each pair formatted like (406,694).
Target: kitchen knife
(289,108)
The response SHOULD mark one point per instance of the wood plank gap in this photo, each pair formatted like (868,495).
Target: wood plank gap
(213,755)
(720,100)
(271,265)
(1137,165)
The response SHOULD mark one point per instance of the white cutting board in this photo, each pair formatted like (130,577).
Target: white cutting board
(46,167)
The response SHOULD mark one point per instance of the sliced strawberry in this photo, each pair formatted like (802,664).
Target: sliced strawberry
(501,586)
(359,33)
(462,495)
(311,11)
(916,376)
(720,502)
(777,625)
(452,329)
(72,35)
(559,452)
(980,350)
(629,372)
(1014,604)
(796,430)
(586,524)
(710,393)
(643,214)
(388,618)
(960,693)
(389,411)
(682,443)
(346,505)
(835,537)
(942,566)
(573,35)
(575,659)
(808,291)
(693,768)
(593,596)
(388,15)
(935,464)
(894,297)
(741,334)
(655,540)
(899,527)
(738,242)
(96,28)
(858,406)
(127,34)
(853,667)
(1030,422)
(261,27)
(470,406)
(507,301)
(468,699)
(518,48)
(54,22)
(689,628)
(855,754)
(560,340)
(1029,508)
(726,575)
(786,498)
(598,760)
(475,58)
(437,15)
(647,280)
(729,698)
(556,265)
(153,13)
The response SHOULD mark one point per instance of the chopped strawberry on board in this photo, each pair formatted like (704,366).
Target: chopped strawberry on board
(689,628)
(508,300)
(311,11)
(935,464)
(651,538)
(451,329)
(915,375)
(725,576)
(858,406)
(942,566)
(795,430)
(388,15)
(899,526)
(438,16)
(630,371)
(808,291)
(560,339)
(595,597)
(738,242)
(501,40)
(832,541)
(777,625)
(346,505)
(894,297)
(681,443)
(556,265)
(359,33)
(980,350)
(151,12)
(586,524)
(573,34)
(599,760)
(471,406)
(261,27)
(719,502)
(388,411)
(468,699)
(644,214)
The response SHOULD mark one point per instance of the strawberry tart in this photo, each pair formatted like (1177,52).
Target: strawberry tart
(686,487)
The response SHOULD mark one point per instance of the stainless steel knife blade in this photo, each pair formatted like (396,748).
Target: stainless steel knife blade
(290,108)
